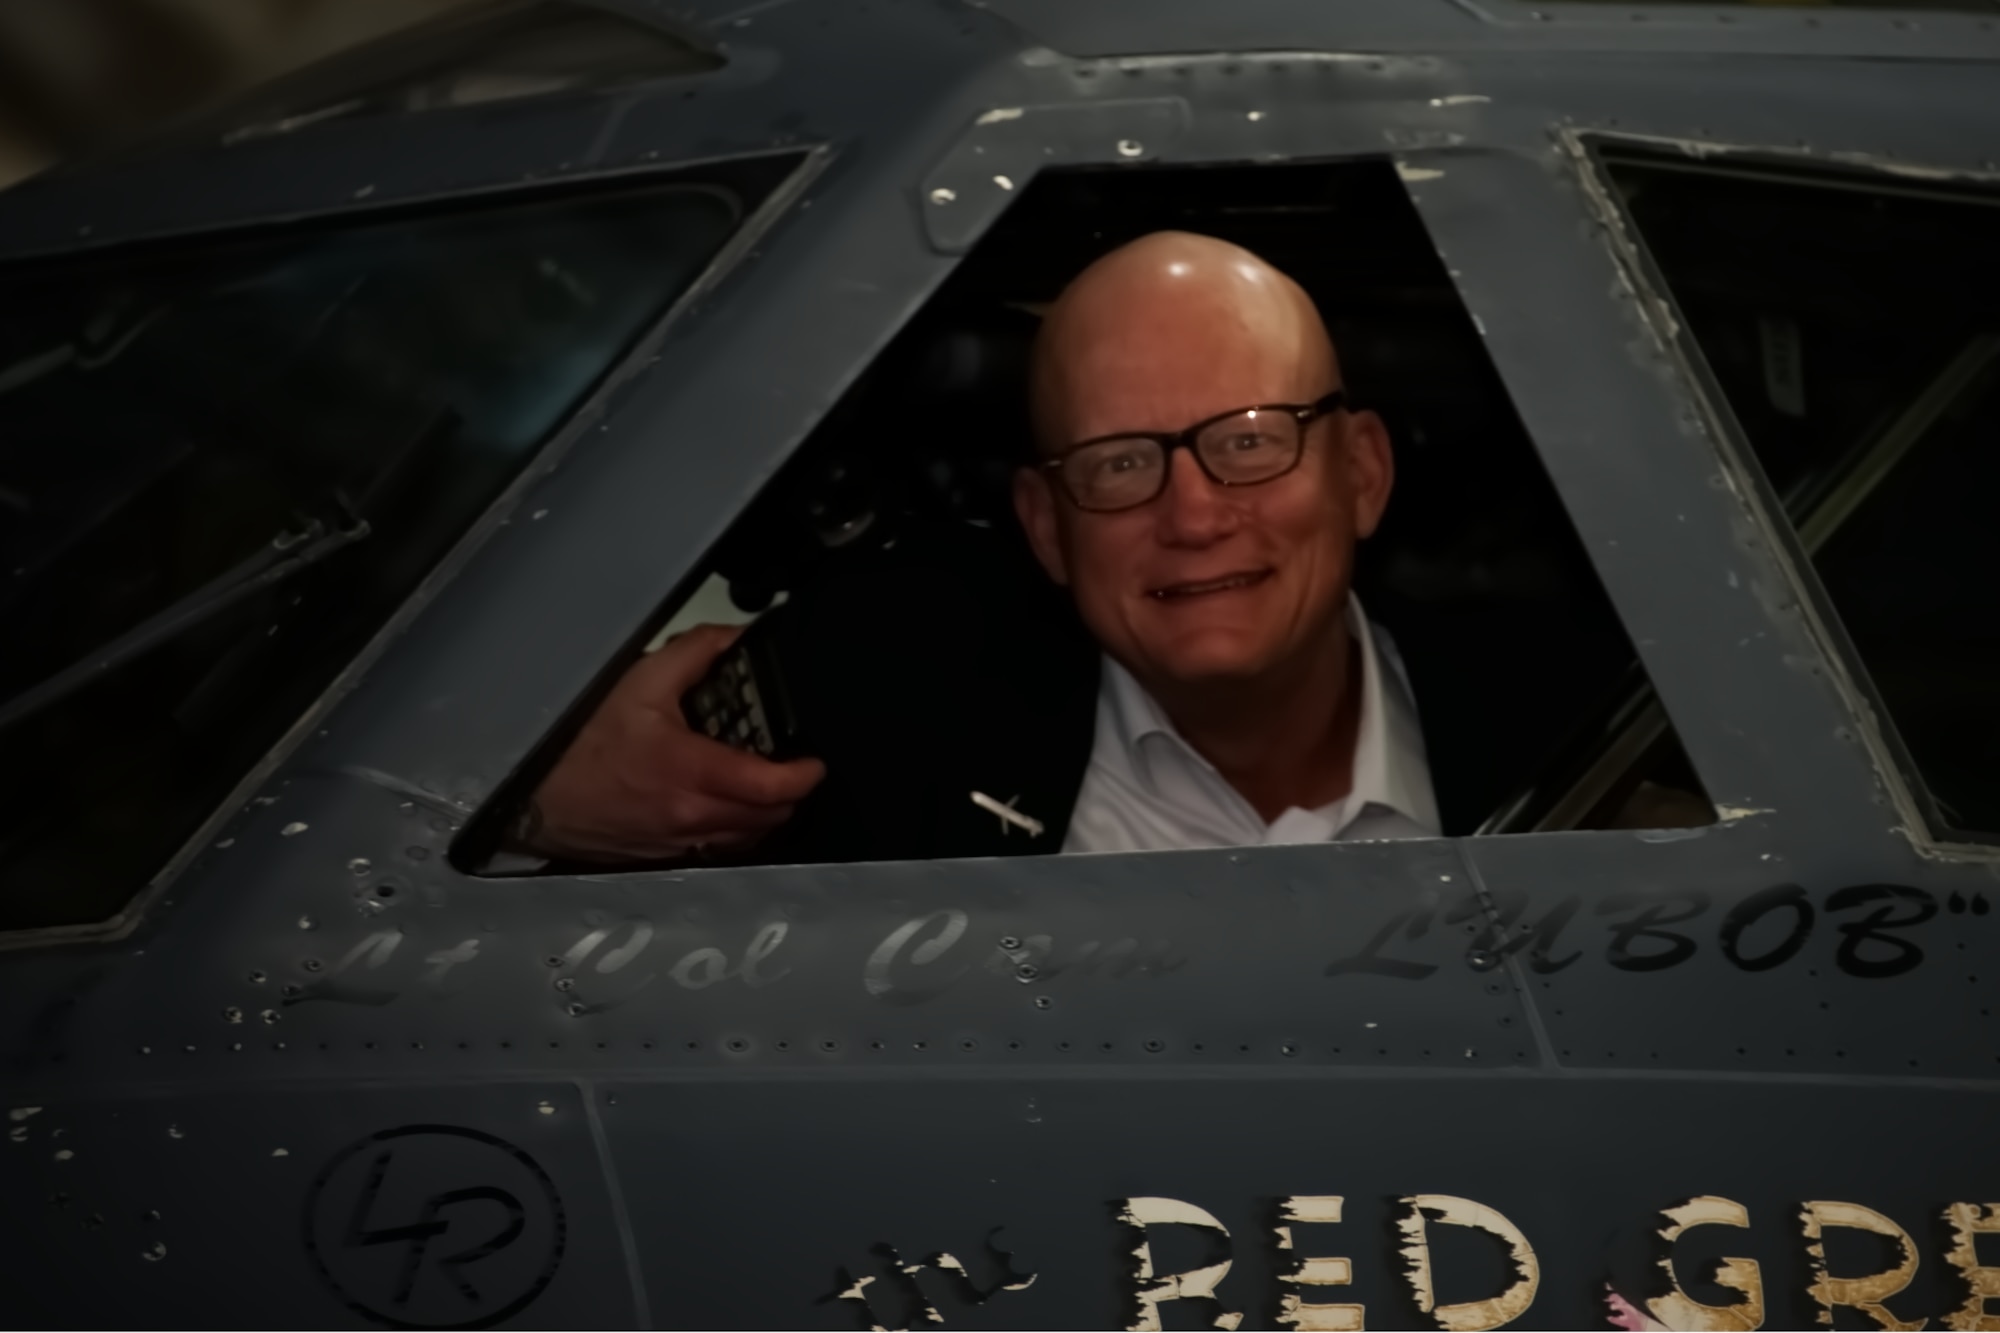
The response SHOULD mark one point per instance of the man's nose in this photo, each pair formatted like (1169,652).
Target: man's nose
(1193,510)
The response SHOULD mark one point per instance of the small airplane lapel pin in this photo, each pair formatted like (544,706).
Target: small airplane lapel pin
(1008,814)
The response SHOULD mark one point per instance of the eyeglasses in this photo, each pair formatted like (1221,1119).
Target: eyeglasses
(1245,447)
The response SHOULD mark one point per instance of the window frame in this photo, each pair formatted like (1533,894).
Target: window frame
(1867,712)
(544,458)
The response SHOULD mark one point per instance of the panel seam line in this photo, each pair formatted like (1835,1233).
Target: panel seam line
(628,1243)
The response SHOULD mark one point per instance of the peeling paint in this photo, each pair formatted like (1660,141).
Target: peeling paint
(999,114)
(1866,1293)
(1410,173)
(931,1315)
(1294,1311)
(902,1278)
(1621,1313)
(1196,1284)
(1464,1316)
(1730,813)
(1678,1310)
(1967,1221)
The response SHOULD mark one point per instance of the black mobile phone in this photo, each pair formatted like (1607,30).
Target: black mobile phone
(743,701)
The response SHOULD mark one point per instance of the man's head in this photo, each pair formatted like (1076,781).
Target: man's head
(1205,583)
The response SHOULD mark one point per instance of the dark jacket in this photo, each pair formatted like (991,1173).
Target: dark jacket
(943,665)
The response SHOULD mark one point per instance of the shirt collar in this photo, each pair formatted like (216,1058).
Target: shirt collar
(1390,770)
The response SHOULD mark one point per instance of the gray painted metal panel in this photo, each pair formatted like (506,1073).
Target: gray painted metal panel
(239,1208)
(936,1165)
(1123,27)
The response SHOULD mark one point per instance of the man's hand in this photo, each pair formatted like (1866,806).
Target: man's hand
(638,784)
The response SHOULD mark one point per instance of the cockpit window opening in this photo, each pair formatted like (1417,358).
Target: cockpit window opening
(892,533)
(1850,324)
(226,462)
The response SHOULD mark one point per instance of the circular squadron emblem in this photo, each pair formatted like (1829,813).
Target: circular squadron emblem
(434,1226)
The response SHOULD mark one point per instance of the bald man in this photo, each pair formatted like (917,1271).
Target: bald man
(1200,485)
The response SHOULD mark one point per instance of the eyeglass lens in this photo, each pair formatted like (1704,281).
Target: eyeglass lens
(1125,471)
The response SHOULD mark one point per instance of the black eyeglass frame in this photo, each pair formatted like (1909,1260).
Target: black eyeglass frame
(1303,413)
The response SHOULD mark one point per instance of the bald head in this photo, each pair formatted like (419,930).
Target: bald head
(1174,326)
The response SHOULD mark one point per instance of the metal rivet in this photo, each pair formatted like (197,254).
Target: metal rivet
(360,865)
(943,196)
(1043,1002)
(1003,182)
(1010,941)
(1027,972)
(1130,148)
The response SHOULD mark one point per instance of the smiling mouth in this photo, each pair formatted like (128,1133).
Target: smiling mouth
(1175,592)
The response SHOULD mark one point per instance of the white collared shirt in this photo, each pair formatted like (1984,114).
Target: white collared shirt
(1148,790)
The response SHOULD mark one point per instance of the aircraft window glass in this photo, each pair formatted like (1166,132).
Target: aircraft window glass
(891,540)
(1854,328)
(224,463)
(494,53)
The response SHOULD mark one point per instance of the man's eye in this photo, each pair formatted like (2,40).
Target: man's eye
(1121,462)
(1249,442)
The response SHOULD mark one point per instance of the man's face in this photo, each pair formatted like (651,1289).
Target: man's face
(1209,582)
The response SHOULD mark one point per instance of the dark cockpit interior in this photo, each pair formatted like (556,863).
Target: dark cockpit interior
(892,529)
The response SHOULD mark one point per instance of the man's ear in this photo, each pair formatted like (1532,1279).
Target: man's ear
(1035,505)
(1371,469)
